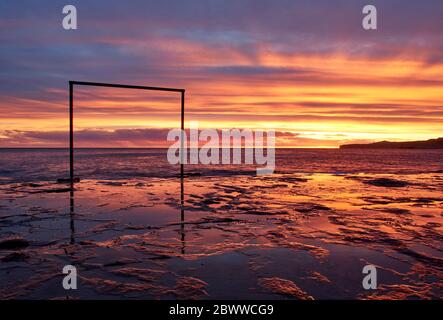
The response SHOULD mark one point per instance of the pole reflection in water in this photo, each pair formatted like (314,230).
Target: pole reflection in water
(182,209)
(71,212)
(182,212)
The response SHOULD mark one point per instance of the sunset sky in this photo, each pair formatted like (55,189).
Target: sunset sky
(306,69)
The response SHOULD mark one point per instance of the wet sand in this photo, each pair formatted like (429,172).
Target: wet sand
(285,236)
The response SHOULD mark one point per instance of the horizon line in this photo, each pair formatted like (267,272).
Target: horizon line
(307,147)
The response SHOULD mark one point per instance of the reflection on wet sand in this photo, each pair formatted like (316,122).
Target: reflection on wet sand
(72,213)
(182,211)
(182,208)
(291,236)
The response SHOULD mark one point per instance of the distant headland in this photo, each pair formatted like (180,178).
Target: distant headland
(427,144)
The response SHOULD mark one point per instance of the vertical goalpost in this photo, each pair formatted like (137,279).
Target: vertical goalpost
(113,85)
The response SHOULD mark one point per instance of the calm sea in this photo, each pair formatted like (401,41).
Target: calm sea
(26,165)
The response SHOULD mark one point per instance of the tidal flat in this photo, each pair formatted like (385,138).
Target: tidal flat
(284,236)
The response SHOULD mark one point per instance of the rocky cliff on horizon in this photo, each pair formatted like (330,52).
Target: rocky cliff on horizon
(427,144)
